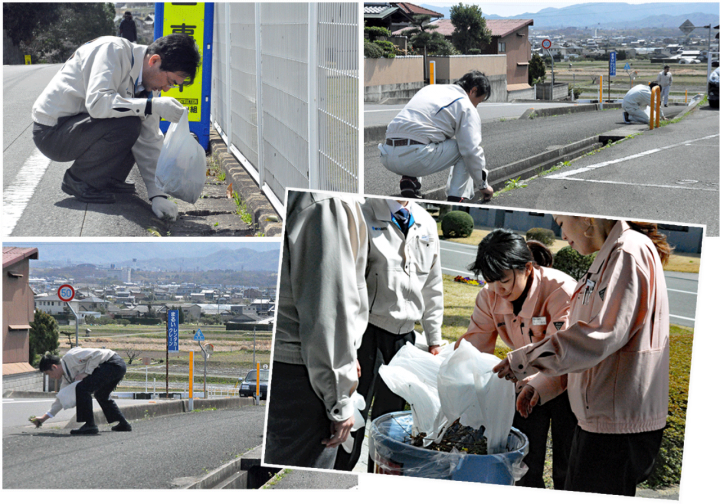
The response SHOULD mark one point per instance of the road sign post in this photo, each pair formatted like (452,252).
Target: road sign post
(257,383)
(195,20)
(172,343)
(207,352)
(67,293)
(612,63)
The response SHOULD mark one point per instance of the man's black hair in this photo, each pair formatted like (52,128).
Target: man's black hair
(178,53)
(47,361)
(476,79)
(653,84)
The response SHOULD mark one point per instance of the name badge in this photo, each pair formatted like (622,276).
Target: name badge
(539,321)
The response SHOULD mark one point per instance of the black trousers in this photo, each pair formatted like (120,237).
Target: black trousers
(557,417)
(611,463)
(100,383)
(378,347)
(297,422)
(100,148)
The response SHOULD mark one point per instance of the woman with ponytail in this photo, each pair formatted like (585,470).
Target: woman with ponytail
(615,354)
(526,301)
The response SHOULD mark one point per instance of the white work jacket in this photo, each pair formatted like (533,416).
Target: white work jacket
(637,98)
(100,79)
(76,361)
(404,276)
(664,80)
(437,113)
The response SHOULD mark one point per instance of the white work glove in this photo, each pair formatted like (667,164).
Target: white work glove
(164,209)
(168,108)
(358,405)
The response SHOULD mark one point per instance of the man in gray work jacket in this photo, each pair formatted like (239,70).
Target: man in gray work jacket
(404,284)
(97,371)
(102,111)
(321,316)
(419,141)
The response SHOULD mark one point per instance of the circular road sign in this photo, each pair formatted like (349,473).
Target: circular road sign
(66,293)
(546,44)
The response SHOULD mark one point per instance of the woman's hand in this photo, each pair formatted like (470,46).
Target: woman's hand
(504,370)
(526,400)
(434,349)
(38,421)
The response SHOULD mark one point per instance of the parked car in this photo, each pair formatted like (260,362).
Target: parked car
(249,384)
(713,88)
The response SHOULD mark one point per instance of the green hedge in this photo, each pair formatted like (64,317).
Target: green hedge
(372,50)
(545,236)
(572,262)
(457,224)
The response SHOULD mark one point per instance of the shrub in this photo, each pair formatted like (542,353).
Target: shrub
(44,335)
(544,236)
(387,47)
(377,31)
(372,50)
(457,224)
(572,262)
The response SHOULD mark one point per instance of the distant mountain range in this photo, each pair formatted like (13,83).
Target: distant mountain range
(615,15)
(195,256)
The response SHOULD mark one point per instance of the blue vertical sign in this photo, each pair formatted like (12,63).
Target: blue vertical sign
(613,63)
(173,331)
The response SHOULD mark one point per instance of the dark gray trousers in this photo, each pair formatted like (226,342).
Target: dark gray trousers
(101,383)
(297,422)
(100,148)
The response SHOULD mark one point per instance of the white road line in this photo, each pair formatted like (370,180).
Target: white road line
(458,271)
(22,401)
(635,184)
(684,318)
(683,292)
(570,173)
(18,194)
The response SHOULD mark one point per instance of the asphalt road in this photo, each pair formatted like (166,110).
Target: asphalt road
(381,115)
(504,142)
(669,174)
(682,287)
(34,204)
(161,452)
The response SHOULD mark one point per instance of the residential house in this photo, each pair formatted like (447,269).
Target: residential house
(18,313)
(509,37)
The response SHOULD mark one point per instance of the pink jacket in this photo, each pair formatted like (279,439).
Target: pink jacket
(543,313)
(617,347)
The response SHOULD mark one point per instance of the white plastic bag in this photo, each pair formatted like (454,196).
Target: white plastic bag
(412,374)
(181,166)
(470,391)
(66,395)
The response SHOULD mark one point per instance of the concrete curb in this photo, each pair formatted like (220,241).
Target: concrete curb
(376,134)
(224,473)
(570,109)
(540,161)
(263,213)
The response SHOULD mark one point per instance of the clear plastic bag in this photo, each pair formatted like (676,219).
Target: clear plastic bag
(470,391)
(181,167)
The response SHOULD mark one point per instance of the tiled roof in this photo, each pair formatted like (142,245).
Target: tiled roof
(498,27)
(378,10)
(417,10)
(12,255)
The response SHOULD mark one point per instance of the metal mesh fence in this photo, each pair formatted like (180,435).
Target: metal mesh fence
(285,95)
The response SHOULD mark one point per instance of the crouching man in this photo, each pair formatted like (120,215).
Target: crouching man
(102,111)
(97,371)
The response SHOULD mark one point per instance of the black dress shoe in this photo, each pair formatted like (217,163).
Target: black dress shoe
(120,187)
(122,427)
(85,430)
(84,192)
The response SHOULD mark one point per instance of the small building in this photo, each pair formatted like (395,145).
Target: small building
(18,313)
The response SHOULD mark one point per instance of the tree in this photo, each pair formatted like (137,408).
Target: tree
(44,335)
(423,34)
(22,20)
(536,70)
(471,31)
(72,25)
